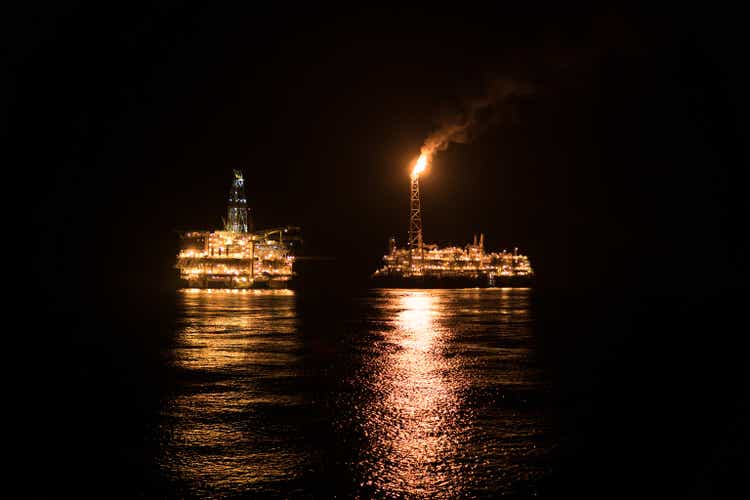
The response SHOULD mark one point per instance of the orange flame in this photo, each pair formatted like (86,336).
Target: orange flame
(419,166)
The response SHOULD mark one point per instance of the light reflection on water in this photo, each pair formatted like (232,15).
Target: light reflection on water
(424,393)
(228,347)
(411,420)
(445,406)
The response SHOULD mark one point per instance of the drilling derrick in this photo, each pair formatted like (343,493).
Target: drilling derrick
(416,247)
(238,257)
(238,216)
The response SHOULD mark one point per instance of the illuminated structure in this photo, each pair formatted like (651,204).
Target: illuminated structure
(237,257)
(238,215)
(427,265)
(415,244)
(453,266)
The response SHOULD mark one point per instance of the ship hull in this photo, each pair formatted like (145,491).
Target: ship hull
(228,284)
(480,281)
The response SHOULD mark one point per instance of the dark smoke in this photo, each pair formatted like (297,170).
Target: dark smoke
(463,127)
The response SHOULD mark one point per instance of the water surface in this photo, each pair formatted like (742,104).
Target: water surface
(395,393)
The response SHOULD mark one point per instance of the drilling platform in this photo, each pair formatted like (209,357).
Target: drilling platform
(238,257)
(422,265)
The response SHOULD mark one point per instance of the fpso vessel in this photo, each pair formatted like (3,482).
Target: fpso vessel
(452,267)
(422,265)
(238,257)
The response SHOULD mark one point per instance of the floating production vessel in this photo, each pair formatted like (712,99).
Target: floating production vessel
(238,257)
(422,265)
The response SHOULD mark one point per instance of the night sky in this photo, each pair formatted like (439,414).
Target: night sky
(624,172)
(624,165)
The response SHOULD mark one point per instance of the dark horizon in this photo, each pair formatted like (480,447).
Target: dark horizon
(623,175)
(629,151)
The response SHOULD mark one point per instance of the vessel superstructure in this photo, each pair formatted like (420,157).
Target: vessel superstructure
(453,266)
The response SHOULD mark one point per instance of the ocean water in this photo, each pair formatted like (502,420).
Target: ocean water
(389,393)
(341,393)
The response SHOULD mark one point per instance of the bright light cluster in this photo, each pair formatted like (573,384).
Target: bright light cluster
(419,166)
(468,261)
(227,259)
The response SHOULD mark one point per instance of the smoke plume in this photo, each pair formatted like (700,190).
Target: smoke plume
(463,127)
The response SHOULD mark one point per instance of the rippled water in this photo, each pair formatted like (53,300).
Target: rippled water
(403,393)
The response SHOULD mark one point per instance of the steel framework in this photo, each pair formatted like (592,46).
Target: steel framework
(415,220)
(238,215)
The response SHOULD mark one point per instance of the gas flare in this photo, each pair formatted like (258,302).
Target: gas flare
(419,166)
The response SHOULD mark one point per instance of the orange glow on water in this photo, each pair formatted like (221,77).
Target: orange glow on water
(228,340)
(413,426)
(429,397)
(423,437)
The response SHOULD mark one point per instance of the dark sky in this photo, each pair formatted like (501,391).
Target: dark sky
(626,165)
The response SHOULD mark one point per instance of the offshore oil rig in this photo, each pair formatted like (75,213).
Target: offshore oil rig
(238,257)
(422,265)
